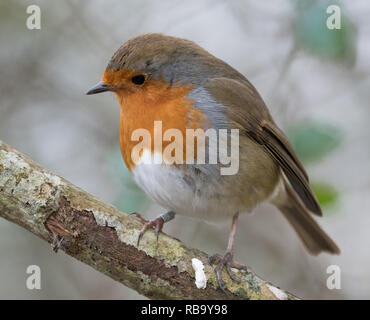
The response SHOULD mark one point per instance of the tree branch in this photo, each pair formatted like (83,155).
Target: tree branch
(104,238)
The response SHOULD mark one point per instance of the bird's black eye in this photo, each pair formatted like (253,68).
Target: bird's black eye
(139,79)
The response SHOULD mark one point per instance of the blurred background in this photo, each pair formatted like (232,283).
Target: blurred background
(314,80)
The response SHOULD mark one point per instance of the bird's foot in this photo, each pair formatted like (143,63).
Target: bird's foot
(228,262)
(157,224)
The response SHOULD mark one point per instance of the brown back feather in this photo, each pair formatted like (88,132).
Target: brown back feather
(246,107)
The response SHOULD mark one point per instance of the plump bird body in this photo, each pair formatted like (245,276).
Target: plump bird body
(176,97)
(200,191)
(176,82)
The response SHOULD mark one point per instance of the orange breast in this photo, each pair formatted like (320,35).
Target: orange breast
(156,102)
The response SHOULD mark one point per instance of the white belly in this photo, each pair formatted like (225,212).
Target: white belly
(185,191)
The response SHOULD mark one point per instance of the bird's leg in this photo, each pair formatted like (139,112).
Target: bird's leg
(157,223)
(227,259)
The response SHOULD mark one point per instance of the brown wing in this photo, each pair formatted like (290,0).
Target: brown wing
(245,107)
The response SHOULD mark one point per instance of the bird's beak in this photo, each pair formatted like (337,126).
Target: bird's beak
(100,87)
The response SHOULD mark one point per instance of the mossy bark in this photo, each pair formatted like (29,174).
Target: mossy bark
(103,237)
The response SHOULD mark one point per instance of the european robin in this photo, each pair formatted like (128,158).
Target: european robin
(174,81)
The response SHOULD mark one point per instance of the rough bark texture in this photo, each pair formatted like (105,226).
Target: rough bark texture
(103,237)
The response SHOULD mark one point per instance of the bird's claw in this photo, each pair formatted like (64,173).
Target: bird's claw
(157,224)
(138,215)
(225,261)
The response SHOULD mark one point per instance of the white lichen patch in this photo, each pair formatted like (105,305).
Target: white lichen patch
(104,219)
(10,159)
(280,294)
(234,270)
(29,186)
(55,180)
(200,276)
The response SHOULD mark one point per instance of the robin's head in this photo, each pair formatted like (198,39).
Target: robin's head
(158,60)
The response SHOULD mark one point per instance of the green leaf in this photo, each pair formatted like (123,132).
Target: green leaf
(326,194)
(313,35)
(312,140)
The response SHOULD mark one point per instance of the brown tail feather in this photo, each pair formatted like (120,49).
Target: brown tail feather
(313,237)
